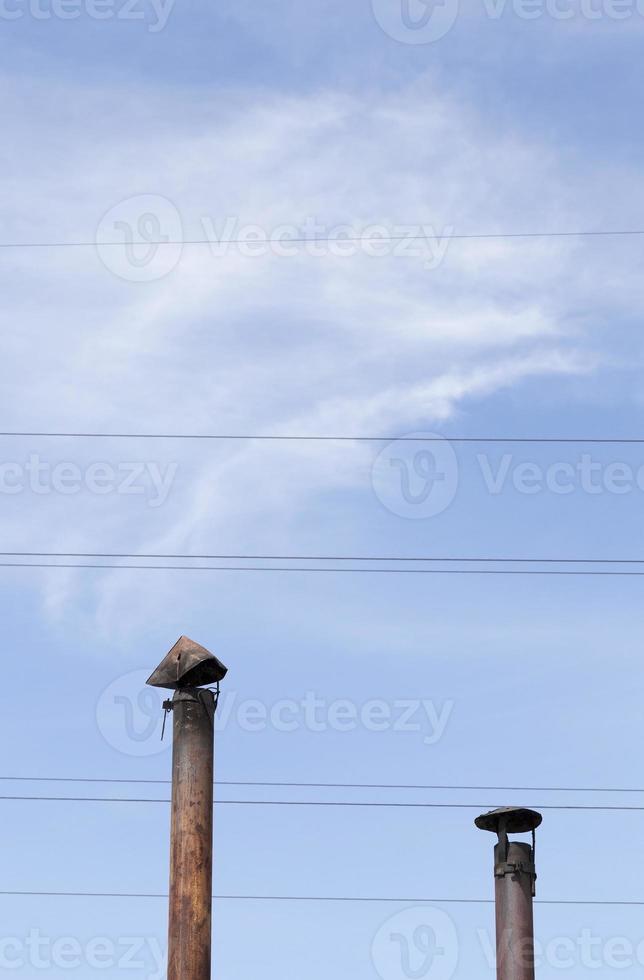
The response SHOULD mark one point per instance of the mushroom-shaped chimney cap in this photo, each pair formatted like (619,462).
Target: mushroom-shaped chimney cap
(517,820)
(187,665)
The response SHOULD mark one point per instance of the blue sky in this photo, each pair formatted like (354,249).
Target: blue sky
(234,120)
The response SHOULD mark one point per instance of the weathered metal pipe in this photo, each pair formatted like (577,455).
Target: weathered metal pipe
(184,669)
(514,887)
(514,919)
(190,915)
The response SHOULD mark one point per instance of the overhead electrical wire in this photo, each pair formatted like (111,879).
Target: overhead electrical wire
(329,571)
(327,240)
(310,785)
(258,437)
(343,558)
(318,898)
(320,803)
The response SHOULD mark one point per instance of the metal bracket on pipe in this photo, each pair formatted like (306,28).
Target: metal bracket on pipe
(167,708)
(511,820)
(520,867)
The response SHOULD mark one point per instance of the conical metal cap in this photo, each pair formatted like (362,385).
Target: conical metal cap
(187,665)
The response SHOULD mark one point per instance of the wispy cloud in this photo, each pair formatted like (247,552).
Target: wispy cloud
(227,342)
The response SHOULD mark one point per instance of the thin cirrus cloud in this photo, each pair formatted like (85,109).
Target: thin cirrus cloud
(226,341)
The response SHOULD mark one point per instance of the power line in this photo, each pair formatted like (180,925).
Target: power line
(334,571)
(318,898)
(306,785)
(356,558)
(255,437)
(320,803)
(367,239)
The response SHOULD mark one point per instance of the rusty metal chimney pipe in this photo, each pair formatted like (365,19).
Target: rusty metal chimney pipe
(190,912)
(514,888)
(183,670)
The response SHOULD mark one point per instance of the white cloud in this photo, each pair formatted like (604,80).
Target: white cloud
(266,344)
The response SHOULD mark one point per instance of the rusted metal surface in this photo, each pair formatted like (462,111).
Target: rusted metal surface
(514,877)
(514,918)
(190,922)
(187,665)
